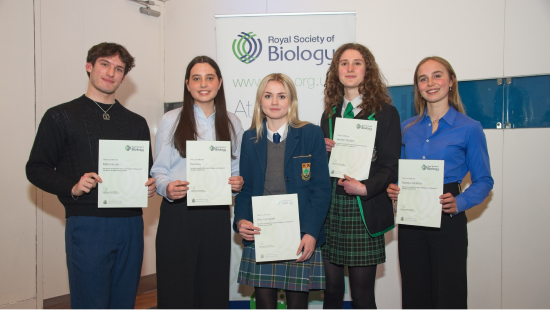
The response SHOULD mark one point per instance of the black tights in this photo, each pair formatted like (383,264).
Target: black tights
(266,298)
(361,282)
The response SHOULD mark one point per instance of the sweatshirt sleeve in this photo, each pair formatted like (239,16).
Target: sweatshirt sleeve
(46,152)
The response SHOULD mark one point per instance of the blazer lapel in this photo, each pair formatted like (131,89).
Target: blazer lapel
(336,114)
(292,139)
(261,152)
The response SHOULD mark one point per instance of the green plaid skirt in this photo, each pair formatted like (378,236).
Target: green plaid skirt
(286,275)
(348,242)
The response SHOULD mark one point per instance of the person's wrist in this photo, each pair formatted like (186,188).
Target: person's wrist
(73,195)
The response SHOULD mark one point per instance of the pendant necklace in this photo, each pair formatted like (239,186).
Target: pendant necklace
(106,116)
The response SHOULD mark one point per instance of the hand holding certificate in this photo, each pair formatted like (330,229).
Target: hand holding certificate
(279,220)
(421,184)
(208,172)
(352,154)
(124,169)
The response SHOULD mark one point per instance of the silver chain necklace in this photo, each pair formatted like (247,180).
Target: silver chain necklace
(106,116)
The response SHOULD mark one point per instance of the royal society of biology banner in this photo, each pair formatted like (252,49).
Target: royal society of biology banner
(249,47)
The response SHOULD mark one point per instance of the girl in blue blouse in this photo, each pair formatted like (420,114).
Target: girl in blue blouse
(433,261)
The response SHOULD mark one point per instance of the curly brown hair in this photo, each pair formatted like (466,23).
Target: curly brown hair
(373,88)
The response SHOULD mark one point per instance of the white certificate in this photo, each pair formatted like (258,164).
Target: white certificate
(208,173)
(352,154)
(124,169)
(421,184)
(279,220)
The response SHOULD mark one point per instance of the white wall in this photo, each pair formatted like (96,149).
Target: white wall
(17,198)
(484,39)
(525,246)
(526,44)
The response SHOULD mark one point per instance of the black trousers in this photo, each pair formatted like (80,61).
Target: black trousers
(193,248)
(433,262)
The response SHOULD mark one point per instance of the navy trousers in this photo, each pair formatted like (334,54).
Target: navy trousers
(104,257)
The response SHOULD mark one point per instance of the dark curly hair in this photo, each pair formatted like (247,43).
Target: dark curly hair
(107,49)
(373,88)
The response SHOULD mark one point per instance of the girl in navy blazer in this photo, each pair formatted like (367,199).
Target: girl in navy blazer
(274,152)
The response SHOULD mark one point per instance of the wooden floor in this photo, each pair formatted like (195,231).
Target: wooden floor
(147,300)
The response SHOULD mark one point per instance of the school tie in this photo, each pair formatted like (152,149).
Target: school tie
(276,138)
(348,113)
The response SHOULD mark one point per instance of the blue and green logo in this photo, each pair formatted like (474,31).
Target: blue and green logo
(247,48)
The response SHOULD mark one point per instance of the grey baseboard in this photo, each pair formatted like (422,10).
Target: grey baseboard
(146,284)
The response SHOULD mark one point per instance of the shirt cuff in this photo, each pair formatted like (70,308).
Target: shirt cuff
(461,204)
(161,190)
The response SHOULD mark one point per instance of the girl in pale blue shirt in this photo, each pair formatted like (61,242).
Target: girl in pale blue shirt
(193,244)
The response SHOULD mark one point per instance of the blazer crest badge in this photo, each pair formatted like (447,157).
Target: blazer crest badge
(306,171)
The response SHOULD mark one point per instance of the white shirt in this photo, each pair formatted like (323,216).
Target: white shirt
(169,166)
(355,103)
(281,131)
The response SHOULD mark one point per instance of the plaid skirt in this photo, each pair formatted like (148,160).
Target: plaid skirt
(286,275)
(348,242)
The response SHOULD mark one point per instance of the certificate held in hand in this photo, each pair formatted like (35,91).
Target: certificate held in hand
(278,218)
(421,184)
(208,173)
(124,169)
(352,154)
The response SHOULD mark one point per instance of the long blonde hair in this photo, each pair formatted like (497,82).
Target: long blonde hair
(259,117)
(420,104)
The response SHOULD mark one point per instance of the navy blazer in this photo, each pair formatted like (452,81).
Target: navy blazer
(303,145)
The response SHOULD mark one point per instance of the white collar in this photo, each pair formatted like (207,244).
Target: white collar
(281,131)
(355,102)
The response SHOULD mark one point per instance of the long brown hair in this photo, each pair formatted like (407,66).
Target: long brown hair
(292,117)
(373,88)
(186,128)
(420,105)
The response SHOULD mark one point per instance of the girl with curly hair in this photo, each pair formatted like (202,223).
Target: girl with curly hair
(360,211)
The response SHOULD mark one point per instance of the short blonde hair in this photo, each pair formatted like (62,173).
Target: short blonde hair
(259,117)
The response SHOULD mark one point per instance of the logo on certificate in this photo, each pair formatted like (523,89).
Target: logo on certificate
(306,171)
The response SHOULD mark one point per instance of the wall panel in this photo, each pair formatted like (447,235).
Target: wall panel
(525,213)
(527,46)
(17,196)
